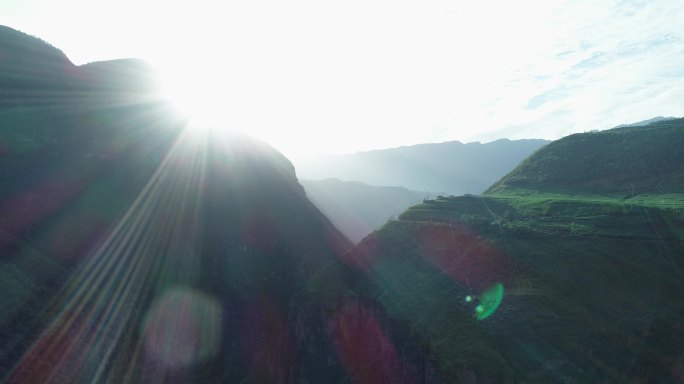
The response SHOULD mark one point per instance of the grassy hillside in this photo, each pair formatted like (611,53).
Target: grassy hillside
(593,287)
(621,162)
(584,241)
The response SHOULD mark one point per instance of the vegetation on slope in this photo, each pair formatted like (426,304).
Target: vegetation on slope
(594,289)
(622,162)
(586,237)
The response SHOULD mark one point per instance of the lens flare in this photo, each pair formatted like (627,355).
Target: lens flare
(182,327)
(490,300)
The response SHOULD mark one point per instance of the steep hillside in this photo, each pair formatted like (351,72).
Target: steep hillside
(551,290)
(449,168)
(134,250)
(357,209)
(622,162)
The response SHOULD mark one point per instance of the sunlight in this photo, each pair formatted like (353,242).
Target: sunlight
(214,98)
(195,101)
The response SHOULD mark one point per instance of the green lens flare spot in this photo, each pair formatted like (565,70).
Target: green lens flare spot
(489,301)
(468,299)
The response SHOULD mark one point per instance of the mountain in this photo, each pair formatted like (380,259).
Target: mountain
(134,250)
(357,209)
(33,72)
(620,162)
(29,63)
(448,168)
(646,122)
(363,203)
(567,280)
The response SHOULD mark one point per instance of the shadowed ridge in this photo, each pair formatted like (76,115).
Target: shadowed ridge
(34,73)
(34,51)
(31,70)
(449,167)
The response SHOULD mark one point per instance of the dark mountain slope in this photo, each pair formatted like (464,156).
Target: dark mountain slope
(133,250)
(621,162)
(30,63)
(450,167)
(34,73)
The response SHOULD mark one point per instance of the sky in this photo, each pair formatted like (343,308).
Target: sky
(315,76)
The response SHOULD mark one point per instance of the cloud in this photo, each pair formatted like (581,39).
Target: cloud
(622,63)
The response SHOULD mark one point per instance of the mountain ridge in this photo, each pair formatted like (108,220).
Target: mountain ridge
(623,161)
(646,122)
(33,72)
(449,167)
(356,208)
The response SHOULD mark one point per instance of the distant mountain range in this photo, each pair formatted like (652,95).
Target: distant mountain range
(365,200)
(357,209)
(448,168)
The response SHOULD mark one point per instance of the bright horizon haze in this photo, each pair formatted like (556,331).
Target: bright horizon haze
(334,77)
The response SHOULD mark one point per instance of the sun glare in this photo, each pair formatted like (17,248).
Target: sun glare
(214,100)
(195,101)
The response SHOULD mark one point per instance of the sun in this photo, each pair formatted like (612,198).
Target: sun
(214,101)
(218,95)
(196,100)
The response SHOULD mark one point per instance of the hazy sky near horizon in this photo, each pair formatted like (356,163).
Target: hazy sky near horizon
(342,76)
